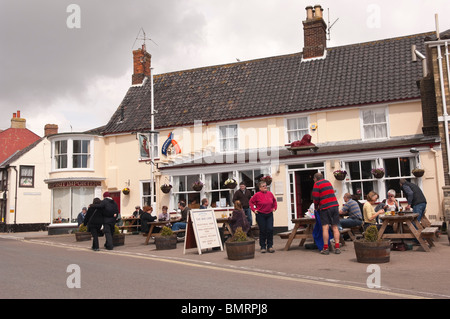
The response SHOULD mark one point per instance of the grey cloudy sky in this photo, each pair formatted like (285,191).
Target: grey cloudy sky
(77,77)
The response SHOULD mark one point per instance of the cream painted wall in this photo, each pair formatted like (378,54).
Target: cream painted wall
(405,118)
(33,204)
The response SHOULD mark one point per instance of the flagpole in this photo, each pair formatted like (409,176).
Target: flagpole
(152,190)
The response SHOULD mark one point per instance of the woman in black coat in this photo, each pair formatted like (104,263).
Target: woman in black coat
(94,221)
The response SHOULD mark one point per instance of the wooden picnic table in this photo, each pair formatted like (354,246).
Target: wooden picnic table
(226,224)
(129,223)
(303,235)
(398,222)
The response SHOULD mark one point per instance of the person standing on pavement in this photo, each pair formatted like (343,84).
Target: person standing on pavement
(416,198)
(263,204)
(326,203)
(243,195)
(110,213)
(94,220)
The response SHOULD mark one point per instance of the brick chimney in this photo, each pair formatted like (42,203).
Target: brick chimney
(315,33)
(17,121)
(50,129)
(141,65)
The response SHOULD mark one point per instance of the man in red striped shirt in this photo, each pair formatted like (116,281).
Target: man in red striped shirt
(326,204)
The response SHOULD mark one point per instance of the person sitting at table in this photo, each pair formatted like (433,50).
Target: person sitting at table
(146,217)
(181,224)
(369,212)
(390,203)
(204,204)
(164,214)
(350,208)
(137,212)
(238,218)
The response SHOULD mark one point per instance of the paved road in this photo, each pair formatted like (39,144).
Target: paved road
(39,269)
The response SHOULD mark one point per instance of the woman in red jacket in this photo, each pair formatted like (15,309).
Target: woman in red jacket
(263,204)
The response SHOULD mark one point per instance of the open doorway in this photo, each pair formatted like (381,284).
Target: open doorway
(304,185)
(301,184)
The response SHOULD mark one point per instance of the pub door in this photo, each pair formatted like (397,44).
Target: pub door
(301,185)
(116,197)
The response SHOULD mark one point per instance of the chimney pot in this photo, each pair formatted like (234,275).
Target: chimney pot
(309,13)
(18,114)
(318,11)
(14,115)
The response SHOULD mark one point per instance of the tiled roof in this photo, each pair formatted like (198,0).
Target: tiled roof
(352,75)
(13,140)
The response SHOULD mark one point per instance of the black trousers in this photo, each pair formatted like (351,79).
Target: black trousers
(108,229)
(95,230)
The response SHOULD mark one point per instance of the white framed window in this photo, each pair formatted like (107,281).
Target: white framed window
(296,128)
(228,138)
(26,176)
(374,123)
(72,153)
(182,190)
(60,154)
(361,181)
(146,192)
(217,193)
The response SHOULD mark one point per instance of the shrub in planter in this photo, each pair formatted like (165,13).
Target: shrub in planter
(82,234)
(118,237)
(166,239)
(372,250)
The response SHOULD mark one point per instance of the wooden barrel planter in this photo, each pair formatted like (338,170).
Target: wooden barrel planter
(238,250)
(373,252)
(118,239)
(166,242)
(83,236)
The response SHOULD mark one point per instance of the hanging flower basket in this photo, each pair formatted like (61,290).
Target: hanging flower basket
(230,183)
(126,191)
(340,175)
(267,179)
(418,172)
(197,186)
(165,188)
(378,172)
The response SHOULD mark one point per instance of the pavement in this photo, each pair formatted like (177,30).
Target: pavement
(409,274)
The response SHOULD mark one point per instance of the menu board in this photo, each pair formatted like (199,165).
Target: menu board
(205,230)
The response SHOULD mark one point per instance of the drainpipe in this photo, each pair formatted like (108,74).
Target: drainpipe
(15,195)
(444,101)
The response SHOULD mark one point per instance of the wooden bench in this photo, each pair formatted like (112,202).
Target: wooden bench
(285,235)
(122,228)
(429,233)
(349,232)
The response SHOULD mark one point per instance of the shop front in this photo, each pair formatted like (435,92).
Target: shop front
(68,198)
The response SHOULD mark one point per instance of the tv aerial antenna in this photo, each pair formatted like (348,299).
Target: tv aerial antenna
(330,25)
(143,37)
